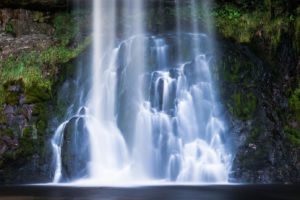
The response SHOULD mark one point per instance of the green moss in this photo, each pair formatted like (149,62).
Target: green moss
(26,143)
(294,103)
(229,12)
(295,139)
(41,126)
(26,132)
(17,82)
(41,129)
(254,134)
(293,119)
(236,68)
(65,27)
(29,143)
(39,109)
(243,25)
(243,22)
(274,29)
(25,67)
(37,94)
(9,28)
(296,43)
(293,135)
(12,99)
(39,68)
(29,66)
(2,95)
(37,72)
(243,105)
(39,17)
(232,70)
(7,132)
(235,23)
(2,118)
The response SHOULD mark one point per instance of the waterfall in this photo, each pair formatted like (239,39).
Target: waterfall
(151,111)
(108,147)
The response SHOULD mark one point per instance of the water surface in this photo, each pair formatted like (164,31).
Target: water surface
(221,192)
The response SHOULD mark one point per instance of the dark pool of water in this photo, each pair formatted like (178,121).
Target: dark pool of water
(228,192)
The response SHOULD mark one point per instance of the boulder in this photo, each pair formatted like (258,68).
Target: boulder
(75,150)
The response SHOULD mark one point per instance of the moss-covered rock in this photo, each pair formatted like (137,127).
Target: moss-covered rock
(259,78)
(243,105)
(28,85)
(37,93)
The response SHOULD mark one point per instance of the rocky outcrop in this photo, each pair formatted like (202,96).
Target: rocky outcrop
(75,150)
(258,76)
(256,111)
(36,49)
(23,31)
(23,103)
(22,134)
(23,22)
(14,46)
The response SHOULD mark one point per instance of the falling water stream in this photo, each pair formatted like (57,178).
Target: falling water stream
(151,111)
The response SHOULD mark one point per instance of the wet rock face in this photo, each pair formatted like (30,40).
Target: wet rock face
(254,96)
(15,46)
(28,99)
(24,22)
(22,137)
(75,150)
(22,31)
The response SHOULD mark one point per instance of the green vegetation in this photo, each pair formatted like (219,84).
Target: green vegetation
(293,131)
(293,135)
(8,132)
(236,68)
(297,30)
(254,134)
(40,17)
(228,12)
(243,105)
(9,28)
(36,73)
(26,143)
(29,66)
(294,103)
(236,71)
(11,98)
(244,25)
(37,68)
(2,96)
(65,27)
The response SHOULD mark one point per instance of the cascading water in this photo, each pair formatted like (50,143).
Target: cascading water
(151,111)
